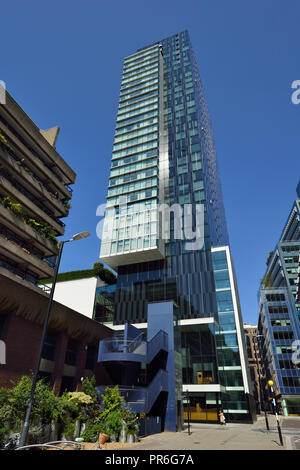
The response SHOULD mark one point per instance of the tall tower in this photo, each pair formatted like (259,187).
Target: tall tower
(164,189)
(163,153)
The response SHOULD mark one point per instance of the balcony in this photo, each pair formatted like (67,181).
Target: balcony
(23,230)
(136,350)
(32,206)
(19,151)
(118,349)
(31,183)
(22,257)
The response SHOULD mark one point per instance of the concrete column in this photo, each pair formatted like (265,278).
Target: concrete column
(80,363)
(59,362)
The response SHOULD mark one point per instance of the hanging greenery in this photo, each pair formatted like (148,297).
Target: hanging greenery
(43,229)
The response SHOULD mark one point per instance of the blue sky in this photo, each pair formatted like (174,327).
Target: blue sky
(62,62)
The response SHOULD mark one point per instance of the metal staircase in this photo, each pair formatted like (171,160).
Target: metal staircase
(139,398)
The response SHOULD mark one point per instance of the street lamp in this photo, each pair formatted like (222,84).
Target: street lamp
(189,410)
(25,428)
(271,383)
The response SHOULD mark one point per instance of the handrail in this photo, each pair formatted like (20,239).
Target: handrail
(52,444)
(160,339)
(159,332)
(44,288)
(133,341)
(66,443)
(39,445)
(138,336)
(152,390)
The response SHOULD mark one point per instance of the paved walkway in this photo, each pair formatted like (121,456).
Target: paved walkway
(228,437)
(291,430)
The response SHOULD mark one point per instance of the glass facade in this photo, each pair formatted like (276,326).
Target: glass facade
(279,315)
(199,361)
(164,153)
(279,325)
(104,304)
(203,407)
(228,345)
(132,231)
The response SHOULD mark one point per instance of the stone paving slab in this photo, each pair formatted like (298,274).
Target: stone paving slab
(290,423)
(217,437)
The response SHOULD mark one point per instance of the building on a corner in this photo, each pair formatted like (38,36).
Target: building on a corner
(35,196)
(255,364)
(279,315)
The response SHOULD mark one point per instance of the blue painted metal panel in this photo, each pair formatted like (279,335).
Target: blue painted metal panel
(131,332)
(141,399)
(161,317)
(132,348)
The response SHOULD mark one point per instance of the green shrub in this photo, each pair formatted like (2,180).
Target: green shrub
(105,274)
(3,432)
(131,420)
(111,400)
(114,423)
(112,415)
(36,433)
(64,410)
(44,407)
(88,387)
(80,398)
(92,431)
(68,428)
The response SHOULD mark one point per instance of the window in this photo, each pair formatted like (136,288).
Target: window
(281,322)
(286,364)
(49,346)
(280,309)
(275,297)
(67,384)
(291,381)
(283,335)
(2,324)
(71,353)
(289,349)
(90,357)
(219,260)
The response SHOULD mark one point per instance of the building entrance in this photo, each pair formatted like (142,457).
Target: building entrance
(203,407)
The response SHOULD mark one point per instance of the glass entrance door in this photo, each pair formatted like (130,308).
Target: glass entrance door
(203,407)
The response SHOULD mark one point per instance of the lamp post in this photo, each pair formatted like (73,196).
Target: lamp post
(187,399)
(271,383)
(189,412)
(262,394)
(25,427)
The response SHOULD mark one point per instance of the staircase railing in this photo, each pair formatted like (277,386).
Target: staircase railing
(158,342)
(157,385)
(134,343)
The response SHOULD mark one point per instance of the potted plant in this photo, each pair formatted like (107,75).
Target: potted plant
(103,436)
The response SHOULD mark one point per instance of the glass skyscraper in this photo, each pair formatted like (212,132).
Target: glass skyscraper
(164,157)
